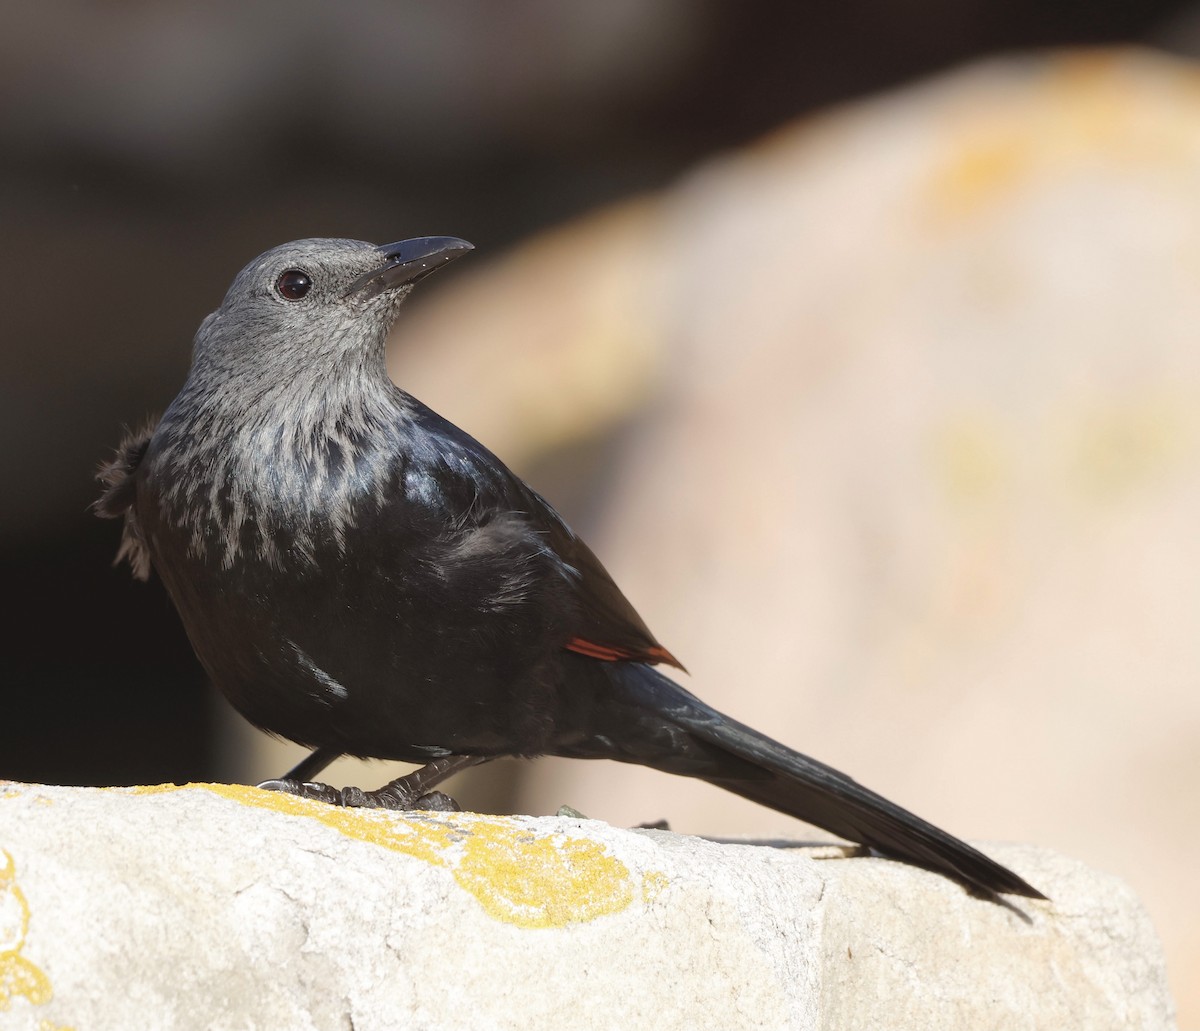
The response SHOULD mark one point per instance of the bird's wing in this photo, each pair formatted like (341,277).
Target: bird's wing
(609,627)
(604,625)
(118,477)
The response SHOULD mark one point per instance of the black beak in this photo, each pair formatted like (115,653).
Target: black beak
(408,261)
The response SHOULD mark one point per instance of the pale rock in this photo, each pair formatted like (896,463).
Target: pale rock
(221,907)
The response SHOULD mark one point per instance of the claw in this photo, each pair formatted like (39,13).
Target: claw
(438,802)
(304,789)
(403,794)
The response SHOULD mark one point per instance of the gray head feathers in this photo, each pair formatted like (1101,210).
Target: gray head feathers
(266,439)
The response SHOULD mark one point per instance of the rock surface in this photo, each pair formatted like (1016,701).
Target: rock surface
(216,907)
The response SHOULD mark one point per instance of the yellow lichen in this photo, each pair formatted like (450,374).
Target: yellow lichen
(1079,108)
(654,884)
(970,458)
(19,978)
(539,881)
(517,876)
(1125,445)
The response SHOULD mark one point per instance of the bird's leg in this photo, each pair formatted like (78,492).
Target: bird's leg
(308,768)
(303,772)
(413,791)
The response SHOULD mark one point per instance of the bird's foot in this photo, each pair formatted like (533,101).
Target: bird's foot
(404,794)
(391,796)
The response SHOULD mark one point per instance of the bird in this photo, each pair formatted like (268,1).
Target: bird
(357,574)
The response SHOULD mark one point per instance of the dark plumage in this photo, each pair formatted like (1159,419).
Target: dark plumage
(361,576)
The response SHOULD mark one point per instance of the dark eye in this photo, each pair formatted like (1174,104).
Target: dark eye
(293,284)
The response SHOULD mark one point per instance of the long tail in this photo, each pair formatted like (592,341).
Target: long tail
(644,717)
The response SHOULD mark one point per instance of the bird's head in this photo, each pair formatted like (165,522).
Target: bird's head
(313,302)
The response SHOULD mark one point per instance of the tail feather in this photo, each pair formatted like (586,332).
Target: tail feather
(888,828)
(739,759)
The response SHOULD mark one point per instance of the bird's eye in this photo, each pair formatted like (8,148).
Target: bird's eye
(293,284)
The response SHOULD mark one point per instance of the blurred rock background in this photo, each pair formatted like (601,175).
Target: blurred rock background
(874,384)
